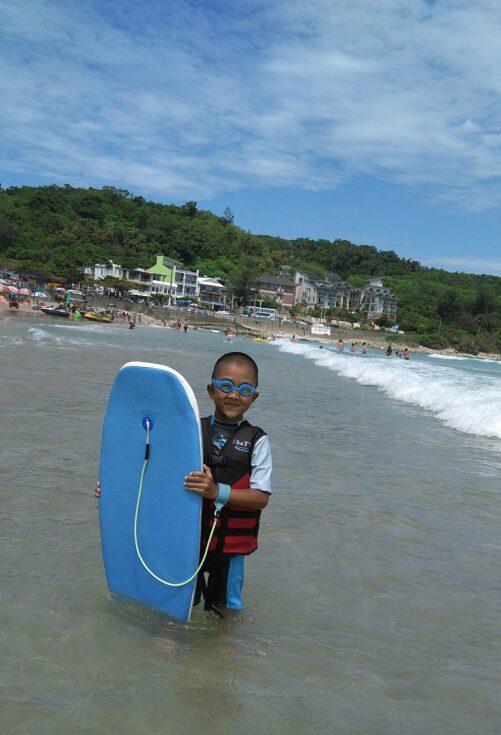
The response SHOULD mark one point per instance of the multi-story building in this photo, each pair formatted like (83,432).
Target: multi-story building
(186,285)
(183,282)
(102,270)
(327,289)
(346,297)
(141,279)
(167,278)
(377,301)
(327,292)
(211,293)
(279,288)
(138,277)
(306,292)
(164,289)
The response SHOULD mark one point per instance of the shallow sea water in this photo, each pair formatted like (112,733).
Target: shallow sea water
(372,606)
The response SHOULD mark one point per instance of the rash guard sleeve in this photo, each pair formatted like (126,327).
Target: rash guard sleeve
(261,464)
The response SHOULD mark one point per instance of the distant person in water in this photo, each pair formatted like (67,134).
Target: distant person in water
(293,338)
(389,351)
(364,348)
(340,345)
(407,354)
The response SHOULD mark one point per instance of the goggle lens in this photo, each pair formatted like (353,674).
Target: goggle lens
(227,386)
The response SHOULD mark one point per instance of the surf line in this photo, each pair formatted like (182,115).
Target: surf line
(148,423)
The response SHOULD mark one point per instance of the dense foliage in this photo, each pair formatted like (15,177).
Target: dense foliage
(56,230)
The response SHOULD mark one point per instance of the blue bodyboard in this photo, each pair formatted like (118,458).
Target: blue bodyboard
(168,516)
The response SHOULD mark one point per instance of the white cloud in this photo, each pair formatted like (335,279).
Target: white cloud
(214,97)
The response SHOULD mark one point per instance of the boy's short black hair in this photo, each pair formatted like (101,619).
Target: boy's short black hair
(237,358)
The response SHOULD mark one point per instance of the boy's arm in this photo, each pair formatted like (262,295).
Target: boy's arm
(255,497)
(202,484)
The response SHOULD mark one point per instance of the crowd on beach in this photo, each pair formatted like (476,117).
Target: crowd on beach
(257,330)
(355,347)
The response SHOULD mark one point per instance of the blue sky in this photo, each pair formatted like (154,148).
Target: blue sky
(377,122)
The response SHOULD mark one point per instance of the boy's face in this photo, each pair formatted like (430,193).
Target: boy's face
(231,407)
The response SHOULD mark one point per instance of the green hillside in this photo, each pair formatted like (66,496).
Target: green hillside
(57,230)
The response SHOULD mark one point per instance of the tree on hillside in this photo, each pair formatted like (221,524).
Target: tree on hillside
(8,234)
(189,209)
(243,279)
(228,217)
(482,308)
(450,304)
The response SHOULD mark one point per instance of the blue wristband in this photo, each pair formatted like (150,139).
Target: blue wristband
(223,495)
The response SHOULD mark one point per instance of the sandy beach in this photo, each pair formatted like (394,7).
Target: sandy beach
(376,340)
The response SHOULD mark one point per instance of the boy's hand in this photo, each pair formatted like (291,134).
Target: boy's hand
(202,484)
(97,491)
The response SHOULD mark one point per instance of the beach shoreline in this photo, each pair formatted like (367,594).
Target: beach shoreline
(373,340)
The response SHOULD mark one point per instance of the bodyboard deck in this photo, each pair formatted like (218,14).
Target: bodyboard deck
(168,516)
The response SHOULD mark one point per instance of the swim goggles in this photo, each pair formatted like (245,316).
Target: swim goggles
(228,386)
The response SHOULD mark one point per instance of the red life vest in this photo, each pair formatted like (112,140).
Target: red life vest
(236,529)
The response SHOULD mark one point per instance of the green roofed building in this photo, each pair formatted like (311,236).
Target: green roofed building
(164,269)
(183,282)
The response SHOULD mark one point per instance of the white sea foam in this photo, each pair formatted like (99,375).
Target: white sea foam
(446,357)
(10,341)
(44,338)
(464,401)
(86,327)
(458,357)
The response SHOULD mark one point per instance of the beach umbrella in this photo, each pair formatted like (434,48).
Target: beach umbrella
(60,288)
(25,292)
(40,295)
(12,289)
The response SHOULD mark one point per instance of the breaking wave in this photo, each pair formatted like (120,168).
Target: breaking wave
(470,403)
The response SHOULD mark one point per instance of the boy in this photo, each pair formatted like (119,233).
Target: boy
(236,475)
(236,478)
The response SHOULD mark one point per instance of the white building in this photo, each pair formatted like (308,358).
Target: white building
(167,290)
(306,292)
(377,301)
(211,292)
(103,270)
(186,284)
